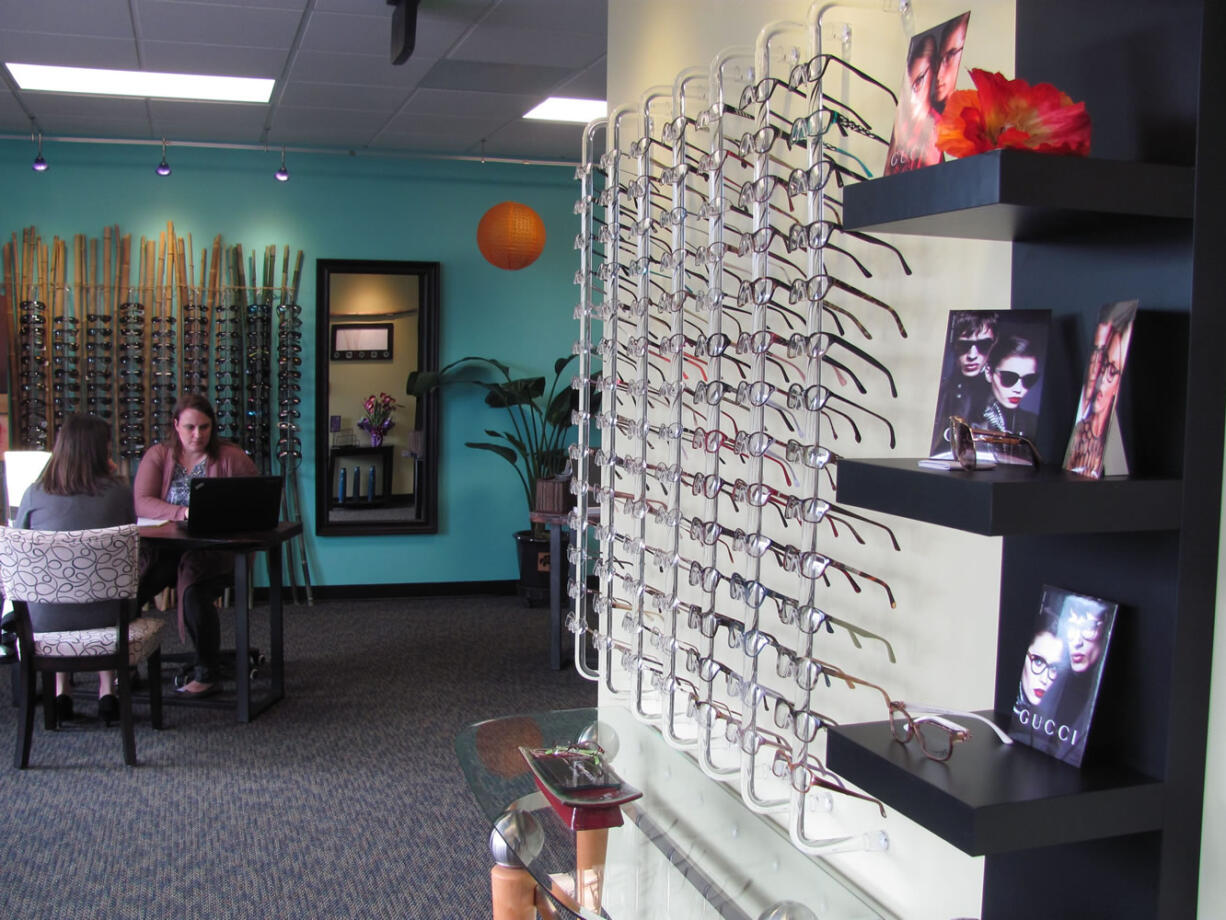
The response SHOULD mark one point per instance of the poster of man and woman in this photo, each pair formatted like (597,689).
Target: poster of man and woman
(1061,672)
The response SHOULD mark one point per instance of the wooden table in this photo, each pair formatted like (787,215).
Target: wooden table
(174,535)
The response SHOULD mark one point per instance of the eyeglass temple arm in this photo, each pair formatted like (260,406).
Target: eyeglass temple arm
(962,714)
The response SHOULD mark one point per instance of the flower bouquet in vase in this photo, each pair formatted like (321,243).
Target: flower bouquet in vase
(377,417)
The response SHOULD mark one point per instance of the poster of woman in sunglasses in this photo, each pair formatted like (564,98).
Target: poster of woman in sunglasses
(1061,672)
(933,59)
(1101,386)
(992,376)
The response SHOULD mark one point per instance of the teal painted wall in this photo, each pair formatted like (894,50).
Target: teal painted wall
(352,208)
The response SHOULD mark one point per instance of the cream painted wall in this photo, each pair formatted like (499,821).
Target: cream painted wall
(359,298)
(946,582)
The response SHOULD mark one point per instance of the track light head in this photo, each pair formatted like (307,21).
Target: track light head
(163,168)
(282,174)
(39,164)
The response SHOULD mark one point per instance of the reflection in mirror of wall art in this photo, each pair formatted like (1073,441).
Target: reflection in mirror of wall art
(380,322)
(362,341)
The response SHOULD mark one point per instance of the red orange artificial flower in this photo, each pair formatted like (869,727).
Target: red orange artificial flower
(1011,113)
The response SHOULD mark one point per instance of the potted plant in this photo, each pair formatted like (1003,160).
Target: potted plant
(535,443)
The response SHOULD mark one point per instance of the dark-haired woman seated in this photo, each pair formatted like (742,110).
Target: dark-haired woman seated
(79,489)
(191,449)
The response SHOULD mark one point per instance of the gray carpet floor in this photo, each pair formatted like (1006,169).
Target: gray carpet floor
(342,801)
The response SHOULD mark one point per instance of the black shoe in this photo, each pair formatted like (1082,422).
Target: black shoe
(108,709)
(63,708)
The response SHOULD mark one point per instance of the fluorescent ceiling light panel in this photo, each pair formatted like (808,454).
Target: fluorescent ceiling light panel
(141,83)
(579,111)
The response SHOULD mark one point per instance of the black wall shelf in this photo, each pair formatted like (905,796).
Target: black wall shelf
(1145,218)
(1011,500)
(995,798)
(1018,195)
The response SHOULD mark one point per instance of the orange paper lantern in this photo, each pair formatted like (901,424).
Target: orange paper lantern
(511,235)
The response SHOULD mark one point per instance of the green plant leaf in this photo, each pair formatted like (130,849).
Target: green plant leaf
(504,452)
(515,393)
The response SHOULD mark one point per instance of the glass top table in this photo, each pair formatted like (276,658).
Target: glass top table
(660,862)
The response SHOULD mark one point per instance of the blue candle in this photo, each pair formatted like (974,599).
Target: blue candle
(370,485)
(340,490)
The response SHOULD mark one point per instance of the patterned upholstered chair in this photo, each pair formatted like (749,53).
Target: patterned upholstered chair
(77,566)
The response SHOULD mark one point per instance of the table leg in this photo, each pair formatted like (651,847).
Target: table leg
(556,567)
(276,624)
(242,637)
(512,893)
(590,850)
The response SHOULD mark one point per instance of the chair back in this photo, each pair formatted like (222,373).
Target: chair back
(70,566)
(21,468)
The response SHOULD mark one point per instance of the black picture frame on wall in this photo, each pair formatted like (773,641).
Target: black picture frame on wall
(388,293)
(362,341)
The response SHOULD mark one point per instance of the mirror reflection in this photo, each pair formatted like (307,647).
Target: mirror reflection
(376,455)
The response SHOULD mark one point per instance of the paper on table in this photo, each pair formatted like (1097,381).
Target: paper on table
(149,522)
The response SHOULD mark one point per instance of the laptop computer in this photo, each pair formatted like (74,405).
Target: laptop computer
(233,504)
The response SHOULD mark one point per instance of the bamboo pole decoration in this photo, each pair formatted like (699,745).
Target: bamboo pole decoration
(44,269)
(293,294)
(216,279)
(106,270)
(285,274)
(159,289)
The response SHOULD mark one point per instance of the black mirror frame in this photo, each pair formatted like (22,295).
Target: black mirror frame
(428,274)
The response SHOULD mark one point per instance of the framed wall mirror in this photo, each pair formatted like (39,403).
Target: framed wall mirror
(376,321)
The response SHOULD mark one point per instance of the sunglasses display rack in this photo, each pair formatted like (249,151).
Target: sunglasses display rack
(125,346)
(31,391)
(731,351)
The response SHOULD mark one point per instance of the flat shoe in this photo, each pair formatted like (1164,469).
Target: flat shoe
(196,690)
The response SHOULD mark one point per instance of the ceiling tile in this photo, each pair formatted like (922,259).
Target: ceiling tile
(64,106)
(78,51)
(347,32)
(585,16)
(361,69)
(337,127)
(385,99)
(503,78)
(98,18)
(197,121)
(590,83)
(206,23)
(469,127)
(425,101)
(183,57)
(509,45)
(546,140)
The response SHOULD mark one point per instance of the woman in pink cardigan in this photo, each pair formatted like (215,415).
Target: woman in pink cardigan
(191,449)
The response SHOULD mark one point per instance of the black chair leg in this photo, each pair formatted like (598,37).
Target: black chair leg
(123,681)
(50,718)
(155,687)
(25,721)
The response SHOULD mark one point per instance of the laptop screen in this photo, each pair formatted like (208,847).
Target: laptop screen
(233,504)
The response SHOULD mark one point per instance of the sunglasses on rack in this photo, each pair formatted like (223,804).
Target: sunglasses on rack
(964,438)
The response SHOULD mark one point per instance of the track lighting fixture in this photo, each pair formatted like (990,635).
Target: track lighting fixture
(282,174)
(163,168)
(39,164)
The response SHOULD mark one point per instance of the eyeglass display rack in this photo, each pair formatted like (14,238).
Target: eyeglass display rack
(125,347)
(1119,837)
(691,379)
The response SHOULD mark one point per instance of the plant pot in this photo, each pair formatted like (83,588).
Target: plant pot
(534,565)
